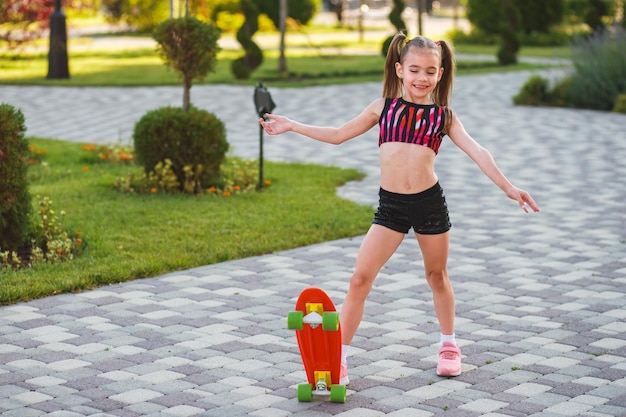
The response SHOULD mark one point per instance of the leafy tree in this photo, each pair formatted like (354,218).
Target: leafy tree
(299,10)
(596,11)
(190,47)
(508,29)
(144,15)
(540,15)
(500,18)
(24,20)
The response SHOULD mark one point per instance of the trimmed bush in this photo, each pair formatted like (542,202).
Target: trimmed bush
(620,104)
(188,138)
(533,93)
(395,17)
(15,200)
(253,55)
(559,94)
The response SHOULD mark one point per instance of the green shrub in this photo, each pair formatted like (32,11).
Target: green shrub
(560,94)
(620,104)
(15,200)
(475,36)
(52,243)
(193,138)
(599,73)
(537,92)
(533,93)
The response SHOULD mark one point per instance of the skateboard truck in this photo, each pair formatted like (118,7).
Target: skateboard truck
(314,314)
(321,386)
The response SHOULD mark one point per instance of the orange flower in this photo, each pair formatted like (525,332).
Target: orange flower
(79,233)
(153,190)
(79,241)
(212,189)
(59,251)
(102,156)
(85,168)
(236,188)
(226,194)
(267,182)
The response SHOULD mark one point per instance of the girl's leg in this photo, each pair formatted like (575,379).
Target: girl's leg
(377,247)
(435,252)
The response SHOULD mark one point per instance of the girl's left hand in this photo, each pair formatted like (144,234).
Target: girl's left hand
(523,198)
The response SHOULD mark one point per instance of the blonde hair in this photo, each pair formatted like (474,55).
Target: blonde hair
(400,45)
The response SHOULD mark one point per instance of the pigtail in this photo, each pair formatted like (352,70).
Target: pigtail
(392,85)
(442,94)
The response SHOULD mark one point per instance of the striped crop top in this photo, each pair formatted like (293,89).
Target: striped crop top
(403,121)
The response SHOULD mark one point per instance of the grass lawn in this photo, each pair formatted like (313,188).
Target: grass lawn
(130,236)
(307,66)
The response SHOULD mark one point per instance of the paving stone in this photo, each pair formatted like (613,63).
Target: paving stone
(540,306)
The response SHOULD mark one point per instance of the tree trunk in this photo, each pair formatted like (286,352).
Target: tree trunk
(420,10)
(282,62)
(186,93)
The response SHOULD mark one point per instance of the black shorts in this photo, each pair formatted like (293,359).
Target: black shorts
(426,212)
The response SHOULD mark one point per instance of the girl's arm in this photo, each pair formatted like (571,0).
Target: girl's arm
(335,135)
(483,158)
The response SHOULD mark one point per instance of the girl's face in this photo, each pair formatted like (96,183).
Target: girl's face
(420,73)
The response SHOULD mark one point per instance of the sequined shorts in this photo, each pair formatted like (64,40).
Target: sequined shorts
(426,212)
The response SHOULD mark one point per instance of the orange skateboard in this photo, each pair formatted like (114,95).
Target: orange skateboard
(316,323)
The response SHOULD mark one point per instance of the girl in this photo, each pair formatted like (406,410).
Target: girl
(413,116)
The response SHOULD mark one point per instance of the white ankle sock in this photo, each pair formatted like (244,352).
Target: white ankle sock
(447,338)
(344,353)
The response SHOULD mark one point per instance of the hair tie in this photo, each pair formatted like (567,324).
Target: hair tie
(405,42)
(437,43)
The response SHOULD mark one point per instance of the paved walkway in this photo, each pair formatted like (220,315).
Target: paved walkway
(541,298)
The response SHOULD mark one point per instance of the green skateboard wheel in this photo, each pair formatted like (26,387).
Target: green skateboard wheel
(330,321)
(338,393)
(294,320)
(305,393)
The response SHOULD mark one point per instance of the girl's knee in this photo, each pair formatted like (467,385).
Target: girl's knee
(361,283)
(437,279)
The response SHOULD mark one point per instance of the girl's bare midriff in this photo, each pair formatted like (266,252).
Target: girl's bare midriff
(406,168)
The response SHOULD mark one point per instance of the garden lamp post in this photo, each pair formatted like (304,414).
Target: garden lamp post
(264,104)
(57,54)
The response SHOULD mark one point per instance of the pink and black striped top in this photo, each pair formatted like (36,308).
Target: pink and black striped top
(403,121)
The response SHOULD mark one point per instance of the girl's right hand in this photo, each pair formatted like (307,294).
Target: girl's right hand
(274,124)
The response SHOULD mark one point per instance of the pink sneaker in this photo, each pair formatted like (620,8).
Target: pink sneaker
(449,363)
(343,374)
